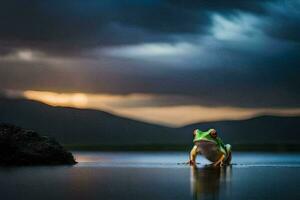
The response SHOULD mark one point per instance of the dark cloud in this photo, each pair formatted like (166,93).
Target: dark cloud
(283,21)
(259,71)
(255,6)
(66,25)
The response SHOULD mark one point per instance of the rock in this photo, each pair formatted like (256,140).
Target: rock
(25,147)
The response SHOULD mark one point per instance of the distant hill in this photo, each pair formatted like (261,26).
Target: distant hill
(81,126)
(91,127)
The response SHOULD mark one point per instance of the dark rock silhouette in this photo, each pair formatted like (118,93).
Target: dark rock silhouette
(25,147)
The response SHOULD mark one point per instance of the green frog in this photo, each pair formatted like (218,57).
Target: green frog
(211,147)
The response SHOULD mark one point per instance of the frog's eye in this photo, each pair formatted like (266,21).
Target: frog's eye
(195,131)
(213,134)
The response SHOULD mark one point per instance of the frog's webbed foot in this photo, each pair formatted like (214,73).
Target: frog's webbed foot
(219,162)
(216,164)
(191,162)
(222,164)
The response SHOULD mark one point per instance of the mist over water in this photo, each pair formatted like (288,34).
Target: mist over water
(156,175)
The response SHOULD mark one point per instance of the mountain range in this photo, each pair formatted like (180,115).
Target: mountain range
(93,127)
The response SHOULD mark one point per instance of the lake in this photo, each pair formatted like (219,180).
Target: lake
(156,175)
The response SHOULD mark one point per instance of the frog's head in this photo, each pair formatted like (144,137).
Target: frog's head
(207,136)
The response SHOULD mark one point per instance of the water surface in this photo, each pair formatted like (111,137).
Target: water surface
(158,175)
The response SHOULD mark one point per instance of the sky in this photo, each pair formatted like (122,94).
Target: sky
(167,62)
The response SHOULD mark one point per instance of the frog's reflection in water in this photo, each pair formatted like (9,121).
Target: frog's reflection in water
(208,181)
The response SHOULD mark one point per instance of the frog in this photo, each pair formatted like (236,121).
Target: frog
(210,145)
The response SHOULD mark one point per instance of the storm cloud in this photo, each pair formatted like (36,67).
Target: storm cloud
(218,53)
(80,24)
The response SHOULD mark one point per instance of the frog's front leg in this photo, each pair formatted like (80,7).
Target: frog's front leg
(220,161)
(193,154)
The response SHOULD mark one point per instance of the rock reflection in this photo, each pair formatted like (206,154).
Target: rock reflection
(208,181)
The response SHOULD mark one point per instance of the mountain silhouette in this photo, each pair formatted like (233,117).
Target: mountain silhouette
(81,126)
(93,127)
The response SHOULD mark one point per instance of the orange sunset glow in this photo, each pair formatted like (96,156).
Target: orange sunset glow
(175,116)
